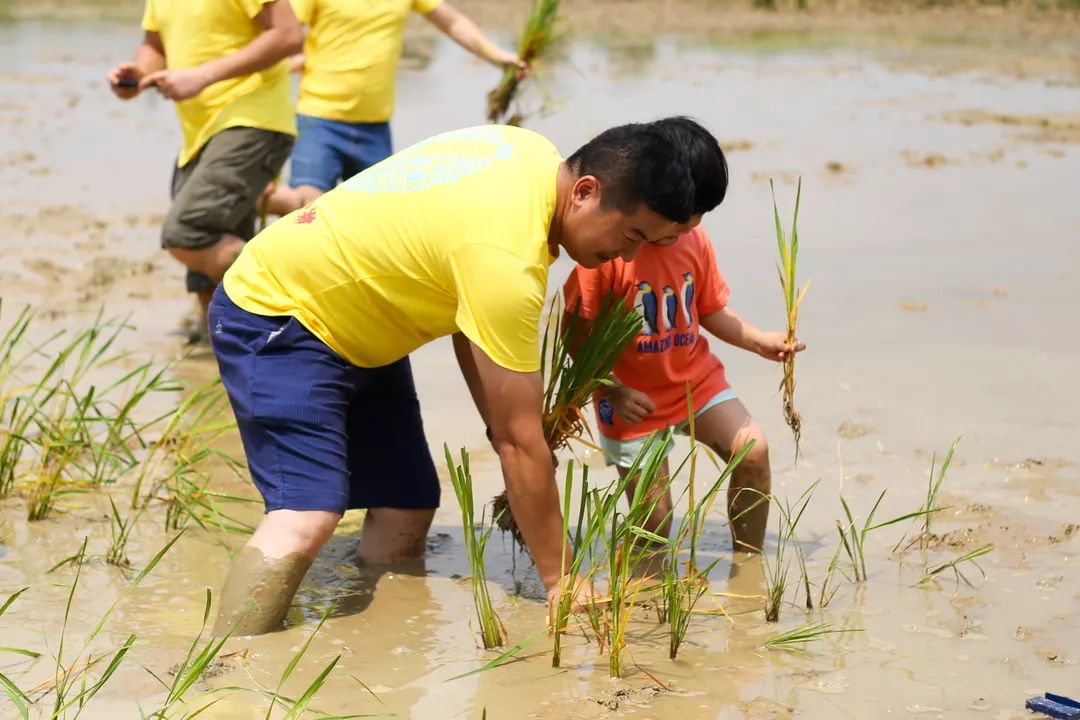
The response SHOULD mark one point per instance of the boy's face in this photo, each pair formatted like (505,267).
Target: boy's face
(681,229)
(693,222)
(593,235)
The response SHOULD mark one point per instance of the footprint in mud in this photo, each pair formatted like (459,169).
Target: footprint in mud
(764,709)
(1054,656)
(628,697)
(1031,464)
(918,159)
(849,430)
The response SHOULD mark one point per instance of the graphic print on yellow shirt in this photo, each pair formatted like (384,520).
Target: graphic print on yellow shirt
(196,31)
(449,234)
(351,56)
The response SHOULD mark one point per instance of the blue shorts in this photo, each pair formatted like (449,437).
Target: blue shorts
(320,433)
(330,151)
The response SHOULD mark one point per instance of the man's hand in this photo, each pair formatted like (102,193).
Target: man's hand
(124,80)
(632,405)
(178,83)
(774,346)
(580,587)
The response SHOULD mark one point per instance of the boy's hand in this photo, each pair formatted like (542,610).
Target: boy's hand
(632,405)
(774,346)
(124,80)
(177,84)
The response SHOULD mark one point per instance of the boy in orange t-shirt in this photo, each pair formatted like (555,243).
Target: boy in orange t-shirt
(679,291)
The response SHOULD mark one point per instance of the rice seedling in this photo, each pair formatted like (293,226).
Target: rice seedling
(64,438)
(10,344)
(537,37)
(79,437)
(574,368)
(680,595)
(776,570)
(596,507)
(954,564)
(853,540)
(931,506)
(826,596)
(561,612)
(71,685)
(797,638)
(299,706)
(113,454)
(119,533)
(194,664)
(174,467)
(504,657)
(789,253)
(15,694)
(628,543)
(492,632)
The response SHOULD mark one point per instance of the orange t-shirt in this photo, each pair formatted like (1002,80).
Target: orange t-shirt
(672,287)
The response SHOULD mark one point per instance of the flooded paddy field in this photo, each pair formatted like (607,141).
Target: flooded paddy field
(939,162)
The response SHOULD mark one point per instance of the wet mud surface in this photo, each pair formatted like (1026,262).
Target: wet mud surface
(939,226)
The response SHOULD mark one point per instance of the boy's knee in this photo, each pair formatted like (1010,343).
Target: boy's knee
(755,464)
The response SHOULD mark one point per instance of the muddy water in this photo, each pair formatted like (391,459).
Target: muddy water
(940,228)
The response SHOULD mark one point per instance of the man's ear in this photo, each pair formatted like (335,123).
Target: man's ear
(585,188)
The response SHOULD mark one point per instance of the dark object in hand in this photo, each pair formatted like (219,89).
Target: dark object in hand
(127,83)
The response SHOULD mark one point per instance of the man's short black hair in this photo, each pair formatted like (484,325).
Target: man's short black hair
(636,164)
(708,167)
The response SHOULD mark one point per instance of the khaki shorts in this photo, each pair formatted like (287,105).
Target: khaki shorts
(217,191)
(623,453)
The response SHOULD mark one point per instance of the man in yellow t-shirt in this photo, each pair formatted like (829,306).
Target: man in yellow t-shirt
(313,325)
(349,79)
(221,61)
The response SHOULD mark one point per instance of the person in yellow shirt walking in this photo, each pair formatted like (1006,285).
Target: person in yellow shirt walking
(313,324)
(347,90)
(222,62)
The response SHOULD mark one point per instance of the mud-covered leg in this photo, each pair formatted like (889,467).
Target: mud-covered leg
(727,428)
(392,535)
(265,575)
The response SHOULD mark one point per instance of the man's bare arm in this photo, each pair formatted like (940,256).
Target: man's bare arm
(511,403)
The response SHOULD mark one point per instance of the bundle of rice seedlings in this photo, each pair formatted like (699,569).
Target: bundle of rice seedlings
(476,537)
(789,253)
(537,38)
(574,368)
(578,367)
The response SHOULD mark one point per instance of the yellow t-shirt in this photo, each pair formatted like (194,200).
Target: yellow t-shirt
(351,56)
(447,235)
(196,31)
